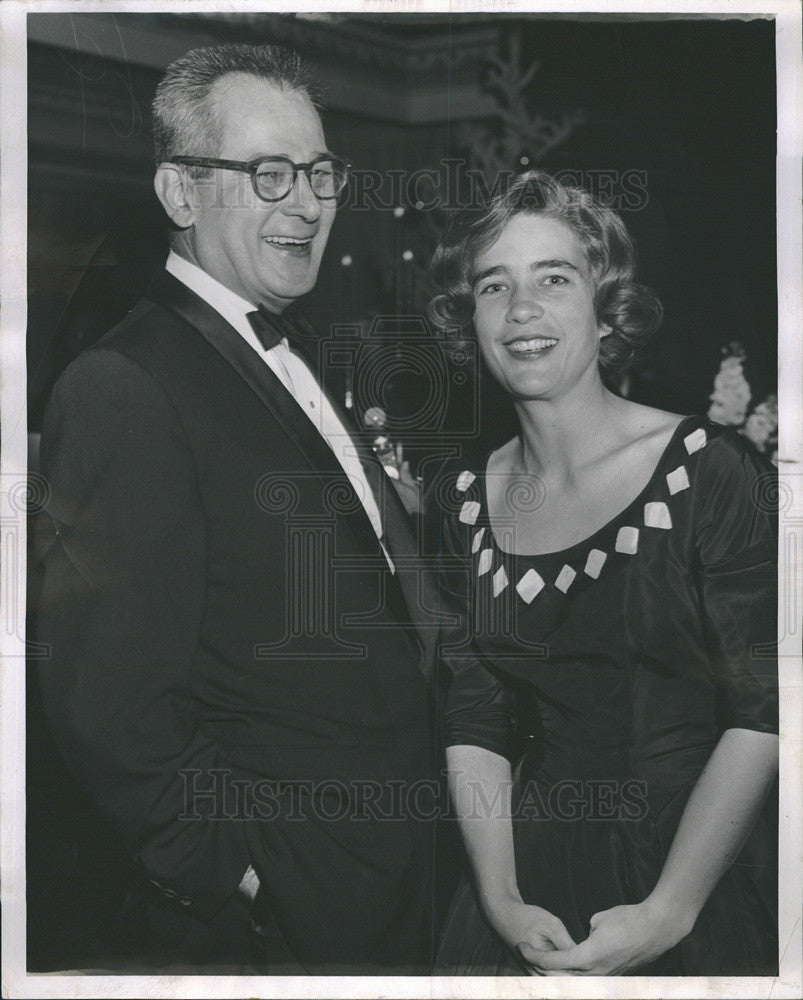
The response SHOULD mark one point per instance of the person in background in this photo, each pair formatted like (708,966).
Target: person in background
(612,719)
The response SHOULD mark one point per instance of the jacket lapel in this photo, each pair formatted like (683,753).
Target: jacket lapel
(172,294)
(414,579)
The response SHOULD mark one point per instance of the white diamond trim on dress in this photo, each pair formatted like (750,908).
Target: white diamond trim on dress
(695,441)
(594,563)
(656,515)
(500,581)
(627,540)
(475,545)
(677,480)
(464,480)
(469,512)
(565,578)
(529,586)
(484,564)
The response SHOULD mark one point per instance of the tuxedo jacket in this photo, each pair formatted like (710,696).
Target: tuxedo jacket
(234,673)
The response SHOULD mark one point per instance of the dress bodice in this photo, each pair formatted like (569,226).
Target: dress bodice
(629,652)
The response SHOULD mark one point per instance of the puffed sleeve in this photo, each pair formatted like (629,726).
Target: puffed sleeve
(480,709)
(736,540)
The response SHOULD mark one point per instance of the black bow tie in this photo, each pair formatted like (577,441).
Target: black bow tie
(269,327)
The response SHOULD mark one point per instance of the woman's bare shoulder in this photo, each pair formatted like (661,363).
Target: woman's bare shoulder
(650,426)
(501,460)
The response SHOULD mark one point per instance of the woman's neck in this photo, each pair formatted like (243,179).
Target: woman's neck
(560,437)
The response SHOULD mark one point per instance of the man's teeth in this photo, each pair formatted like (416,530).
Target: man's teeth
(287,240)
(535,344)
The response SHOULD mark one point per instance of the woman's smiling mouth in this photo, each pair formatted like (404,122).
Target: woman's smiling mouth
(531,347)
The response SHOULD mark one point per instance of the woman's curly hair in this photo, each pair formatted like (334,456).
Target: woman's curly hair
(631,310)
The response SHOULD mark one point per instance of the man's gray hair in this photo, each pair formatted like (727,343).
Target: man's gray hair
(184,119)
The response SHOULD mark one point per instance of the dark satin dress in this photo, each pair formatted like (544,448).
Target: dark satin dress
(606,674)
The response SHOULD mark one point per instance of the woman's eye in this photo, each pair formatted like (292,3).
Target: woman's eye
(493,287)
(555,279)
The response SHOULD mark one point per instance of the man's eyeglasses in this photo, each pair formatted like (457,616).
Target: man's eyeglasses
(273,177)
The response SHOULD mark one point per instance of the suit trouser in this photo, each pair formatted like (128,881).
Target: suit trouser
(230,943)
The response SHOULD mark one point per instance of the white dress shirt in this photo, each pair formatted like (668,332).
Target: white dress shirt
(292,372)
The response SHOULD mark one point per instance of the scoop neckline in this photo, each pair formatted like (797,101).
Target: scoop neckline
(605,527)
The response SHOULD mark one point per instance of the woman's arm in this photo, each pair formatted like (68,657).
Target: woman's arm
(480,782)
(715,824)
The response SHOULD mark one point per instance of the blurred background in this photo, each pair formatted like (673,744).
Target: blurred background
(671,120)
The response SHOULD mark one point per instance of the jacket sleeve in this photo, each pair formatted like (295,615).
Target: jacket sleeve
(123,560)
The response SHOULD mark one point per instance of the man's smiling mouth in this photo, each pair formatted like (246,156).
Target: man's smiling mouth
(288,241)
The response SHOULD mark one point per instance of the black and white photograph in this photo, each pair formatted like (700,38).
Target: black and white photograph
(401,499)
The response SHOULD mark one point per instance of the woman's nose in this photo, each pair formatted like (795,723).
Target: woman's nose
(523,308)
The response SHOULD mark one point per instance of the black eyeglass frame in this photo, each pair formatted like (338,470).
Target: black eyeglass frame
(252,166)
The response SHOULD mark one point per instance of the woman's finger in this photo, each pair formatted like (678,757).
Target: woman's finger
(561,960)
(544,962)
(527,951)
(526,964)
(595,919)
(529,956)
(560,937)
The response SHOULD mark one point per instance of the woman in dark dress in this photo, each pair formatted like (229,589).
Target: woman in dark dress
(612,713)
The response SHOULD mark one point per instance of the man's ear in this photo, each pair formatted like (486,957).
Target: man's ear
(173,189)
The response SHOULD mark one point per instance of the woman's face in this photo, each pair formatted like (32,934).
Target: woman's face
(534,314)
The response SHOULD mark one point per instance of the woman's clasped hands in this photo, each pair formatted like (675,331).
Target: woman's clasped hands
(621,939)
(529,929)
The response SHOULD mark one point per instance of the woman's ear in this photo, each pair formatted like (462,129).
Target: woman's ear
(604,330)
(174,191)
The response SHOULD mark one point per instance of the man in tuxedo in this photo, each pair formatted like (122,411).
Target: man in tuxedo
(239,656)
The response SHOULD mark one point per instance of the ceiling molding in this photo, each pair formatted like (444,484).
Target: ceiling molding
(456,52)
(420,79)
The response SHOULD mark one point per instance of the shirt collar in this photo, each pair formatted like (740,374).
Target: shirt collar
(231,306)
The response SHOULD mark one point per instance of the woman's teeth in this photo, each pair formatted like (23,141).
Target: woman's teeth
(533,346)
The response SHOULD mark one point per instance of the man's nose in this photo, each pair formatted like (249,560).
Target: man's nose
(302,201)
(523,308)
